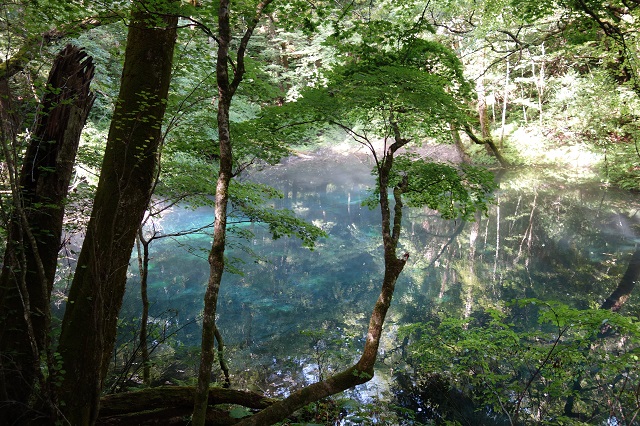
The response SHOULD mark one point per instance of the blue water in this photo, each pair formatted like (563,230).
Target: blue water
(292,308)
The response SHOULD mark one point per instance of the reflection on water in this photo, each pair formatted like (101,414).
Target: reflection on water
(294,315)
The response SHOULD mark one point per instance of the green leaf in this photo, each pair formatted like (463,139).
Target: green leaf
(239,412)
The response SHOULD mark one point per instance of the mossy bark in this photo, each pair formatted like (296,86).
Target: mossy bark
(489,143)
(128,169)
(172,404)
(216,254)
(227,86)
(28,269)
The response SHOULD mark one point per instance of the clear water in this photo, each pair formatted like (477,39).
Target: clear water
(295,314)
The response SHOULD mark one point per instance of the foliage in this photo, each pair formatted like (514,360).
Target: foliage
(419,86)
(609,126)
(252,199)
(454,192)
(384,64)
(527,371)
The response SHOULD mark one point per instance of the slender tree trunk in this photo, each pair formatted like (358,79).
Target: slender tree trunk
(505,102)
(540,83)
(143,268)
(522,94)
(216,254)
(497,252)
(363,370)
(227,85)
(481,106)
(483,112)
(128,170)
(35,228)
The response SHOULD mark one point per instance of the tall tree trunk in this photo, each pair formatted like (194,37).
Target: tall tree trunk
(216,254)
(128,169)
(227,85)
(35,228)
(481,106)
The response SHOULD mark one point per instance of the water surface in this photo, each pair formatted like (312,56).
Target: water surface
(295,315)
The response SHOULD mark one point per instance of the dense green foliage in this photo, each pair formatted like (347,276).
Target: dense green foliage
(455,193)
(525,362)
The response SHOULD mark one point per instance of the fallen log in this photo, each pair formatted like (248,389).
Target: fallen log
(172,405)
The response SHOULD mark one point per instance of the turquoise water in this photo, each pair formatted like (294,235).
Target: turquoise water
(295,315)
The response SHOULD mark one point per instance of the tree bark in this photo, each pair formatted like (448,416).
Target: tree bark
(31,255)
(227,85)
(481,105)
(488,142)
(124,189)
(143,268)
(216,254)
(505,102)
(155,405)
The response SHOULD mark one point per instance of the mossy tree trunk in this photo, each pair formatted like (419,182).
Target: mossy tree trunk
(487,142)
(35,228)
(128,169)
(159,405)
(227,86)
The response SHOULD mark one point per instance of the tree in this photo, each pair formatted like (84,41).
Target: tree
(121,198)
(35,228)
(46,23)
(470,30)
(392,94)
(227,87)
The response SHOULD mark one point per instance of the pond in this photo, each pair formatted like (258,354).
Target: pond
(295,315)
